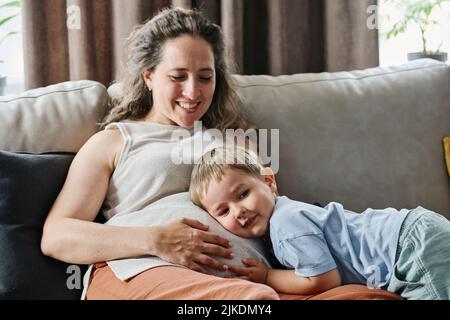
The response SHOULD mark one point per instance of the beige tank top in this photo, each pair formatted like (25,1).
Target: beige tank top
(145,171)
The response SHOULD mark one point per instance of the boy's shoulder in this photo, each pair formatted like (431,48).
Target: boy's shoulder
(284,203)
(291,217)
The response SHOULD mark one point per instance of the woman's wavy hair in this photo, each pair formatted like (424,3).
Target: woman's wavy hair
(145,46)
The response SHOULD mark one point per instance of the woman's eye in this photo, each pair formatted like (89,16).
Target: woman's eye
(205,78)
(243,194)
(177,78)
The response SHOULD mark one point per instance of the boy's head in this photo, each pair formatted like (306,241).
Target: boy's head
(235,189)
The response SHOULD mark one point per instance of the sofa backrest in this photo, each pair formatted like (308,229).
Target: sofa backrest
(368,138)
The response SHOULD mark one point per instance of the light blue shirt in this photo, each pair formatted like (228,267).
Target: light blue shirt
(314,240)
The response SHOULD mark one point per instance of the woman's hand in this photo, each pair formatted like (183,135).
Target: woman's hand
(254,271)
(187,242)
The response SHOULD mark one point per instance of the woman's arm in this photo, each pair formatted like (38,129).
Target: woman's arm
(70,235)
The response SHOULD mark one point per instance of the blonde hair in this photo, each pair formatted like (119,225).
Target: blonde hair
(212,165)
(145,49)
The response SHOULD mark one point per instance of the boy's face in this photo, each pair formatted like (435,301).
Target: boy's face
(241,203)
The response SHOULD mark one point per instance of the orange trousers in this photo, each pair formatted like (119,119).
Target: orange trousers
(177,283)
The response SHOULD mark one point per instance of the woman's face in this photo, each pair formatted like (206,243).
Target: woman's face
(183,83)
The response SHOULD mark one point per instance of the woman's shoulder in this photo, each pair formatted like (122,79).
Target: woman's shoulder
(109,136)
(105,144)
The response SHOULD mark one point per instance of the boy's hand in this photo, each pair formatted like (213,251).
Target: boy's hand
(255,271)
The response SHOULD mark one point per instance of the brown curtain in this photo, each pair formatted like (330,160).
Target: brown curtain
(263,36)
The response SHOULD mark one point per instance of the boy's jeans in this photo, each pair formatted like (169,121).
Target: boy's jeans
(422,263)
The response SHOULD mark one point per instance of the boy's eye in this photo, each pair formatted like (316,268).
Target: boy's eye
(242,195)
(224,212)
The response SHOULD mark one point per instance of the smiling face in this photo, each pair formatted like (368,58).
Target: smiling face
(241,203)
(183,83)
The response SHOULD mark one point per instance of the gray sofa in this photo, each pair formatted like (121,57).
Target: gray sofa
(367,138)
(370,138)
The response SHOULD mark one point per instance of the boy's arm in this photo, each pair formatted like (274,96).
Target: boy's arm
(286,281)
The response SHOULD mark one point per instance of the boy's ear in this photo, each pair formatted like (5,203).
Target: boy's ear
(269,179)
(147,75)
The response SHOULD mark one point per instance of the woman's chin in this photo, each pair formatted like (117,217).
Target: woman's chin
(186,124)
(186,119)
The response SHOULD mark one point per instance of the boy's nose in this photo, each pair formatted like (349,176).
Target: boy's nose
(239,212)
(241,215)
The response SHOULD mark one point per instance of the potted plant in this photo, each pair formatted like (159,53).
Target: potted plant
(419,13)
(4,20)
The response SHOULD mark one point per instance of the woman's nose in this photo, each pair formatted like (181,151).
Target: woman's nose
(190,89)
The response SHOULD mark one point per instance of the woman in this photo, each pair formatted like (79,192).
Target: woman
(176,74)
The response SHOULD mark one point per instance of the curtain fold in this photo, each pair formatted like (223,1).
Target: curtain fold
(89,52)
(232,22)
(85,39)
(296,36)
(45,42)
(348,40)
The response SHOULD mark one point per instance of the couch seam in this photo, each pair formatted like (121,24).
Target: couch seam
(339,79)
(52,92)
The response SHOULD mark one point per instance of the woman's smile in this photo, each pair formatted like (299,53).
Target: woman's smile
(188,107)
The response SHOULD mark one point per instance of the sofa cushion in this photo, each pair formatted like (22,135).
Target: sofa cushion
(59,117)
(29,185)
(365,138)
(446,143)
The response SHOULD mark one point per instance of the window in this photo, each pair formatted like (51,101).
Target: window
(394,51)
(11,51)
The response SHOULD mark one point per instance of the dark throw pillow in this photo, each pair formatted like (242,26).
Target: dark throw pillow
(29,184)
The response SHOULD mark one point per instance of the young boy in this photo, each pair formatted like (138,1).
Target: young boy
(406,251)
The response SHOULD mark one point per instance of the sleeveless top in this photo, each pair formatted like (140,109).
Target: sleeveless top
(145,171)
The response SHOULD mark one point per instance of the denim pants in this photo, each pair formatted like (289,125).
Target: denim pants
(422,263)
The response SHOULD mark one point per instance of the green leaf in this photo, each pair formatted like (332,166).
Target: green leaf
(11,4)
(8,35)
(5,20)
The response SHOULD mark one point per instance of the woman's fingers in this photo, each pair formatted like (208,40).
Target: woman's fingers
(190,245)
(194,224)
(206,236)
(216,239)
(211,262)
(213,249)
